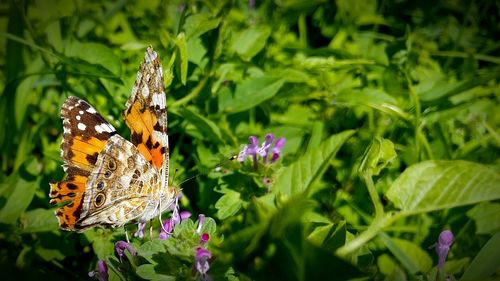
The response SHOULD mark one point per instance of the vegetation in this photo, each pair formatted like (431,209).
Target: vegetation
(388,109)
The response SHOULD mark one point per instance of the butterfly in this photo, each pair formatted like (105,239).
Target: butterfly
(110,180)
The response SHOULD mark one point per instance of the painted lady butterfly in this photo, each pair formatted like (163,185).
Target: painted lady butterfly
(112,181)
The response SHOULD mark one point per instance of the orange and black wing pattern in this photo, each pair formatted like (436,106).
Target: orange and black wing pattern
(85,134)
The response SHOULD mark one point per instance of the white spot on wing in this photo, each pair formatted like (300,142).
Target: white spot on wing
(91,110)
(101,128)
(158,99)
(78,117)
(81,126)
(81,111)
(145,91)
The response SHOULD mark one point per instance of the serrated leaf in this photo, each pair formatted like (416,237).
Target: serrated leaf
(409,254)
(486,262)
(250,93)
(151,248)
(301,174)
(436,185)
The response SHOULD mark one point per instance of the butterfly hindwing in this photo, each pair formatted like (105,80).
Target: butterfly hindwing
(119,188)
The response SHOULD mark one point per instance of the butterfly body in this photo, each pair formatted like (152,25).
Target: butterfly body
(112,181)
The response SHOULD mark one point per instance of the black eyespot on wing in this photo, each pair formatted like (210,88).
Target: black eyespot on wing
(99,200)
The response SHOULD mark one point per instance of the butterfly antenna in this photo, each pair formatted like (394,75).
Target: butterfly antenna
(216,168)
(126,234)
(173,176)
(188,179)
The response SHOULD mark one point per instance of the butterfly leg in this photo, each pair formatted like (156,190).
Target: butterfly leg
(150,231)
(126,234)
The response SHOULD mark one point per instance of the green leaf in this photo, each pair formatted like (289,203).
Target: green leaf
(147,271)
(102,242)
(150,249)
(443,88)
(436,185)
(39,220)
(207,128)
(300,175)
(180,42)
(95,53)
(251,41)
(411,256)
(250,93)
(19,200)
(486,217)
(196,52)
(198,24)
(372,97)
(486,262)
(229,204)
(380,153)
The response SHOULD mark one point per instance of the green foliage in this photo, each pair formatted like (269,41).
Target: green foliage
(389,110)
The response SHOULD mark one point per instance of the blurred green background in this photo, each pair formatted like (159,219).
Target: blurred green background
(416,81)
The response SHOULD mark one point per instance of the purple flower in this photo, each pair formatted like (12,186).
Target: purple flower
(277,148)
(121,246)
(169,224)
(166,230)
(252,150)
(140,230)
(443,247)
(264,149)
(102,271)
(202,258)
(201,220)
(204,238)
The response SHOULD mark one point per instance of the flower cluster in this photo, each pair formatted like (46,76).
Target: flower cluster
(252,149)
(202,256)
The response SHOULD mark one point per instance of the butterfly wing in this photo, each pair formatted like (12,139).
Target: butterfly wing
(85,135)
(146,112)
(146,116)
(120,188)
